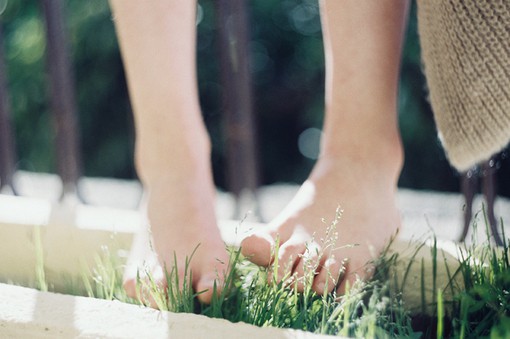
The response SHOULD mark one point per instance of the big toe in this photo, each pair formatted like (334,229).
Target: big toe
(129,285)
(330,275)
(207,287)
(145,289)
(258,248)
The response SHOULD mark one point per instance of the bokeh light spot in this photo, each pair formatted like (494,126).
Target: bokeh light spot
(309,142)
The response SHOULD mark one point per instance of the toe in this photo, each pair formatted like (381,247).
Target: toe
(136,276)
(307,267)
(149,289)
(129,285)
(330,273)
(258,248)
(211,276)
(354,272)
(207,287)
(289,255)
(347,281)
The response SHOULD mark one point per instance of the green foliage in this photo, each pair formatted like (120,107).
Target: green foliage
(483,307)
(103,106)
(286,62)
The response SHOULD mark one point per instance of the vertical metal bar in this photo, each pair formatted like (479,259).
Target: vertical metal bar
(468,187)
(62,95)
(240,134)
(7,150)
(489,192)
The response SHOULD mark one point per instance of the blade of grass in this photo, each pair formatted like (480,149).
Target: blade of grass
(440,315)
(39,261)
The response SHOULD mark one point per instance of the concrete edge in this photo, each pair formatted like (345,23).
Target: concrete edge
(69,236)
(82,229)
(27,313)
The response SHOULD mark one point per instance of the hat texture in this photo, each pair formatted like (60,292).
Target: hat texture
(466,57)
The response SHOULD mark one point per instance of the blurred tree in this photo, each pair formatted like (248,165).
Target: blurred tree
(288,71)
(24,48)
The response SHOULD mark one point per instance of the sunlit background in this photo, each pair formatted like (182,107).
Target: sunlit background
(288,81)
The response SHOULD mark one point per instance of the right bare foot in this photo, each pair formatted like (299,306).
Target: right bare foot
(366,193)
(182,219)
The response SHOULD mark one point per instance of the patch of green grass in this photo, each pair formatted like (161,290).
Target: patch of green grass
(105,280)
(477,307)
(482,309)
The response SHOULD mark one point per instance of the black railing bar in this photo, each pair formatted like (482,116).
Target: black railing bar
(469,187)
(489,193)
(7,145)
(62,98)
(239,127)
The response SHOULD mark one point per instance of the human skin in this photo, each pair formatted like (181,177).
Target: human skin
(361,152)
(157,40)
(358,167)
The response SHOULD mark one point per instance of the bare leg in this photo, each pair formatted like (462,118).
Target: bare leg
(157,40)
(361,154)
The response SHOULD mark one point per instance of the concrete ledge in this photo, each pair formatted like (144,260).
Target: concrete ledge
(63,240)
(27,313)
(66,238)
(70,235)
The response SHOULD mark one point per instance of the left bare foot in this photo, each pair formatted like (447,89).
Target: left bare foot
(184,231)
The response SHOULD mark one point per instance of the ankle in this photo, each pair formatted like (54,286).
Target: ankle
(382,159)
(175,163)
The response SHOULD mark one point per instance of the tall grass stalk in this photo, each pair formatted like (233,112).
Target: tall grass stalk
(440,315)
(40,276)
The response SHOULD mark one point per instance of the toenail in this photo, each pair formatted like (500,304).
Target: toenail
(320,287)
(208,282)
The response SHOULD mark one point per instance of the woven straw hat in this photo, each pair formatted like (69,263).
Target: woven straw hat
(466,57)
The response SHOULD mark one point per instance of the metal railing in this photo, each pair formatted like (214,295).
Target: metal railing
(240,134)
(63,106)
(486,175)
(242,161)
(7,151)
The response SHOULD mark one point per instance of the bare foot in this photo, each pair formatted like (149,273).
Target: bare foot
(365,193)
(172,145)
(182,219)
